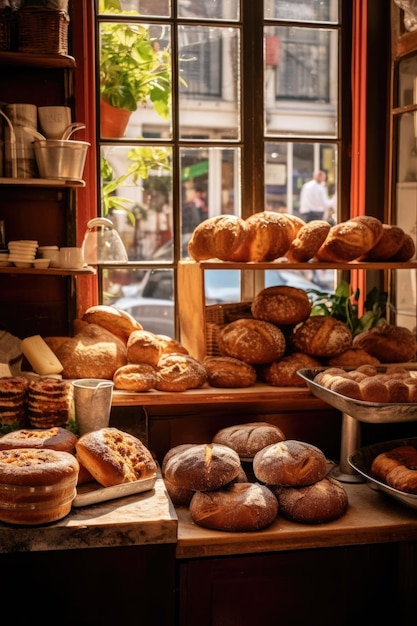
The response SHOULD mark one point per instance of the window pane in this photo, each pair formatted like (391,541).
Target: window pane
(209,83)
(301,78)
(210,184)
(136,188)
(302,10)
(209,9)
(156,8)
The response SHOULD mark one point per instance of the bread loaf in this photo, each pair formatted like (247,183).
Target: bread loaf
(389,244)
(135,377)
(281,305)
(397,468)
(248,439)
(222,237)
(322,336)
(308,240)
(270,235)
(324,501)
(290,463)
(179,372)
(143,347)
(226,371)
(388,343)
(239,507)
(114,320)
(351,239)
(407,250)
(283,373)
(252,341)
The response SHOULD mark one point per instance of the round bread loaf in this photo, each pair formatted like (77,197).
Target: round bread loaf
(135,377)
(324,501)
(283,373)
(290,463)
(143,347)
(226,371)
(55,438)
(308,240)
(170,345)
(179,372)
(270,236)
(322,336)
(239,507)
(390,243)
(37,486)
(202,467)
(388,343)
(113,456)
(222,237)
(248,439)
(115,320)
(397,468)
(252,341)
(179,496)
(281,305)
(351,239)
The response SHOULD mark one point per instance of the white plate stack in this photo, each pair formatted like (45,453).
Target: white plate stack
(22,252)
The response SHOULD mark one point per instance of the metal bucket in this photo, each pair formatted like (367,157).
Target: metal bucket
(61,159)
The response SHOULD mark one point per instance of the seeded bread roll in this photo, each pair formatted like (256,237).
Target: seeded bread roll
(308,240)
(221,237)
(270,236)
(248,439)
(226,371)
(252,341)
(290,463)
(114,457)
(179,372)
(324,501)
(351,239)
(283,373)
(143,347)
(239,507)
(55,438)
(202,467)
(135,377)
(322,336)
(115,320)
(281,305)
(388,343)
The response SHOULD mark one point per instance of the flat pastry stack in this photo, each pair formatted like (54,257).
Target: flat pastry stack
(13,401)
(49,402)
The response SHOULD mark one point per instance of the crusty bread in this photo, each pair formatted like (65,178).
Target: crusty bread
(353,357)
(407,250)
(143,347)
(135,377)
(322,336)
(248,439)
(252,341)
(115,320)
(222,237)
(93,353)
(397,468)
(270,235)
(55,438)
(389,244)
(281,305)
(388,343)
(308,240)
(179,372)
(350,240)
(283,373)
(226,371)
(290,463)
(170,345)
(324,501)
(239,507)
(202,466)
(114,457)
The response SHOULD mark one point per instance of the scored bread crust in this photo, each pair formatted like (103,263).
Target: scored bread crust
(221,236)
(135,377)
(114,457)
(179,372)
(351,239)
(239,507)
(252,341)
(248,439)
(322,336)
(283,373)
(308,240)
(55,438)
(226,371)
(270,236)
(281,305)
(290,463)
(391,241)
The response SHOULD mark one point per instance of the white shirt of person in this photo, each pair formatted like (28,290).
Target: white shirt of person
(314,198)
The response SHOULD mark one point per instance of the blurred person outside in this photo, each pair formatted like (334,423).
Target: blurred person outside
(314,200)
(194,210)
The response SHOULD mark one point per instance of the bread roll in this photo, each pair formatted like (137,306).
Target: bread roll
(308,240)
(116,321)
(351,239)
(388,343)
(114,457)
(322,336)
(170,345)
(390,243)
(226,371)
(202,467)
(55,438)
(239,507)
(143,347)
(397,468)
(222,237)
(290,463)
(252,341)
(283,373)
(135,377)
(407,250)
(324,501)
(248,439)
(281,305)
(353,357)
(179,372)
(270,235)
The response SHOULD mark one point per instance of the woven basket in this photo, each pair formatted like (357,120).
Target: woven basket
(6,31)
(217,316)
(42,31)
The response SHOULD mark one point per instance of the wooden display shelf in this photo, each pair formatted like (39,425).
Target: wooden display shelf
(51,271)
(25,59)
(41,182)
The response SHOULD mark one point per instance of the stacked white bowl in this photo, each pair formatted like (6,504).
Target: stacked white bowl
(22,252)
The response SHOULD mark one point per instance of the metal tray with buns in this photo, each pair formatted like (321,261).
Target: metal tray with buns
(361,461)
(371,412)
(93,493)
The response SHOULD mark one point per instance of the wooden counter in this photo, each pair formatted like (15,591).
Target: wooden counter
(372,517)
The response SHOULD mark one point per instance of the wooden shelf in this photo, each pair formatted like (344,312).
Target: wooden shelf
(51,271)
(283,264)
(41,182)
(24,59)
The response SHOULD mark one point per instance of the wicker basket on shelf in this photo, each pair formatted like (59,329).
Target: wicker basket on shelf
(217,316)
(7,29)
(42,31)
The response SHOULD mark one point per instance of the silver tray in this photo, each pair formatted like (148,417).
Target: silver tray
(92,493)
(371,412)
(362,459)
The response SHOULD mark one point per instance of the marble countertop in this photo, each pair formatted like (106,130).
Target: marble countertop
(141,519)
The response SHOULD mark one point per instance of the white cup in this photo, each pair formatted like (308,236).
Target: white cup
(92,403)
(54,120)
(70,258)
(51,253)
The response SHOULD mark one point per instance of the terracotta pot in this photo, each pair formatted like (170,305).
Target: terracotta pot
(113,121)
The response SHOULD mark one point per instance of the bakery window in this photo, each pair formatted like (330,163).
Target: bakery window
(240,106)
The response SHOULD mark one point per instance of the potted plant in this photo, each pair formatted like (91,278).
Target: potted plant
(133,71)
